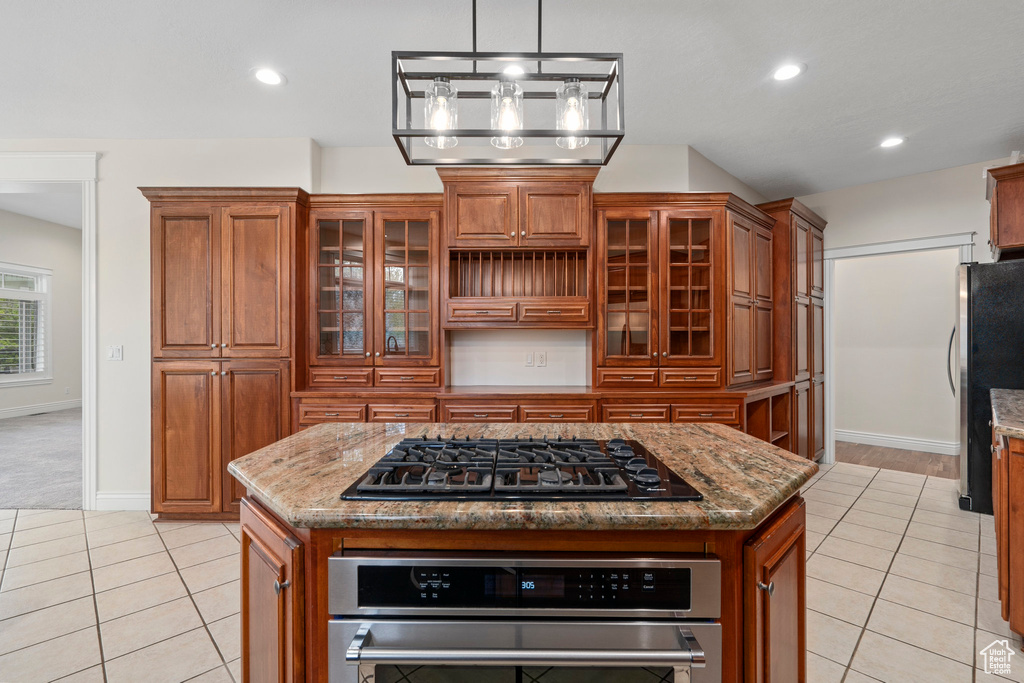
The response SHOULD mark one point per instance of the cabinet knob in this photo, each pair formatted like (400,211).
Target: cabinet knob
(377,354)
(223,372)
(223,346)
(522,234)
(769,589)
(665,354)
(512,234)
(213,373)
(278,586)
(213,346)
(367,354)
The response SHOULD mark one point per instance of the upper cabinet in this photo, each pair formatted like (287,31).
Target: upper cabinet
(751,301)
(504,208)
(373,289)
(1006,194)
(221,271)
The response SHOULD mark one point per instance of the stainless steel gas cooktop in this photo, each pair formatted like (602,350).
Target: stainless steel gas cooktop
(529,469)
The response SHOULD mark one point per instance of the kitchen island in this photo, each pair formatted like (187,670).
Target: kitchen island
(751,519)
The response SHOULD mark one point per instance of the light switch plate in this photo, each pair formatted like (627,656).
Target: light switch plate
(529,360)
(115,352)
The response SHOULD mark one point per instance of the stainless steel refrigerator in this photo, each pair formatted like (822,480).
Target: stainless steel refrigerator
(989,345)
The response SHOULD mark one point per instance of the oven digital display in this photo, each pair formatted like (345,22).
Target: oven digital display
(542,585)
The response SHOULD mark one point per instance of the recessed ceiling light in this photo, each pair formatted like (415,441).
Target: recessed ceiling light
(893,141)
(788,71)
(514,70)
(269,76)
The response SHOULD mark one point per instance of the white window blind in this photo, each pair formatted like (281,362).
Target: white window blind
(24,324)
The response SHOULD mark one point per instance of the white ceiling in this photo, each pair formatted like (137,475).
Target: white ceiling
(59,203)
(948,74)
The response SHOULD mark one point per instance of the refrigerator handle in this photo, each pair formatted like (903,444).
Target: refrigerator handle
(949,354)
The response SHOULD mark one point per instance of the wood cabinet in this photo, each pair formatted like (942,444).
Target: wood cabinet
(1008,509)
(751,302)
(802,440)
(506,208)
(374,297)
(1006,216)
(205,414)
(524,410)
(273,599)
(774,599)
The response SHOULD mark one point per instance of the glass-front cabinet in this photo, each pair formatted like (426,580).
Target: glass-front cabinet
(686,312)
(628,291)
(375,291)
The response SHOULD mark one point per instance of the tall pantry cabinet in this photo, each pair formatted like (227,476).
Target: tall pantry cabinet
(799,322)
(223,292)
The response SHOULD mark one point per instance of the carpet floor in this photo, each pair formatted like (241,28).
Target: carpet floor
(41,461)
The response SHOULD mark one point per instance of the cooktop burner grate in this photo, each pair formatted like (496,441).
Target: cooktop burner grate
(519,469)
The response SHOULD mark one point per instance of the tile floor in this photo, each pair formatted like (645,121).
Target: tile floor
(900,587)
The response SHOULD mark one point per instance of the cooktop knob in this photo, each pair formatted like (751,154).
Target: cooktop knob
(648,476)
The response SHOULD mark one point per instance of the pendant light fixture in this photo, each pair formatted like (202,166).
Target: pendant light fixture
(561,91)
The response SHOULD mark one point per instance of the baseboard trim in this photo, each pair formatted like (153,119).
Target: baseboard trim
(22,411)
(902,442)
(122,500)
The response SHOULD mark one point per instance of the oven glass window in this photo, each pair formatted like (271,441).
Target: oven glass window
(479,674)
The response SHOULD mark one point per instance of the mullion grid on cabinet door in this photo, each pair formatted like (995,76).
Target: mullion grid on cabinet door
(407,288)
(626,288)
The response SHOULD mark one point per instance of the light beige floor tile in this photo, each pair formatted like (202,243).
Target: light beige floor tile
(856,677)
(169,661)
(93,674)
(218,675)
(889,497)
(53,658)
(843,478)
(937,574)
(8,513)
(235,668)
(46,624)
(175,538)
(227,634)
(839,487)
(855,469)
(45,570)
(937,534)
(141,629)
(942,483)
(867,535)
(982,640)
(969,524)
(5,540)
(902,477)
(93,524)
(858,553)
(234,527)
(891,660)
(122,532)
(831,638)
(893,525)
(879,507)
(205,551)
(988,526)
(167,526)
(46,550)
(816,507)
(830,497)
(7,525)
(990,618)
(987,565)
(988,587)
(926,631)
(935,600)
(216,603)
(988,545)
(47,533)
(944,554)
(40,595)
(139,596)
(126,550)
(820,525)
(46,519)
(130,571)
(209,574)
(839,602)
(813,540)
(945,506)
(895,487)
(847,574)
(821,670)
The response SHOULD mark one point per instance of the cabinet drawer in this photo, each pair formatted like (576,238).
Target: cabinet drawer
(691,377)
(408,377)
(315,413)
(341,377)
(653,412)
(468,312)
(706,412)
(627,377)
(401,413)
(554,313)
(479,413)
(553,413)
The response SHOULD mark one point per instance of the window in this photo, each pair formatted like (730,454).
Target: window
(24,325)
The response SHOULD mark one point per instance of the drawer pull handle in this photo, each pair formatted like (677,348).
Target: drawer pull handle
(769,589)
(341,377)
(557,415)
(690,378)
(483,312)
(407,378)
(625,377)
(401,414)
(554,313)
(636,414)
(331,414)
(480,414)
(706,414)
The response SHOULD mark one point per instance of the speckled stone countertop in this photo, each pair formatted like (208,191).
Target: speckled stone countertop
(1008,412)
(743,479)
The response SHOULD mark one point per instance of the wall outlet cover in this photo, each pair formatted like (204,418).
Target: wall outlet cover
(542,359)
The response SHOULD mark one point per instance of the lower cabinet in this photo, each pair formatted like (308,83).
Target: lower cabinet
(273,599)
(533,411)
(774,599)
(818,418)
(801,443)
(206,414)
(1008,509)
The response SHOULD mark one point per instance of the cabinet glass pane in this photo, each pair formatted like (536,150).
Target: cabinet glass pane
(419,243)
(342,287)
(616,241)
(628,274)
(406,288)
(688,307)
(353,334)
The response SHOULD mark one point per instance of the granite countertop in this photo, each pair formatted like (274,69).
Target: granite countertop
(743,479)
(1008,412)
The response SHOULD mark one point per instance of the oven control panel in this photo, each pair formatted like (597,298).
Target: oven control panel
(524,587)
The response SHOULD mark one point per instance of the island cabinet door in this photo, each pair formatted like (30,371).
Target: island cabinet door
(774,620)
(272,599)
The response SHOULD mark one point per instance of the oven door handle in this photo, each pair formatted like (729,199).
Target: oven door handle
(361,650)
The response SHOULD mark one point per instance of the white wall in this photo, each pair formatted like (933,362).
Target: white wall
(498,357)
(893,317)
(32,242)
(707,176)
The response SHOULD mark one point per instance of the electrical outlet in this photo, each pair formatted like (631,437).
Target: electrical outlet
(542,359)
(67,390)
(529,360)
(115,352)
